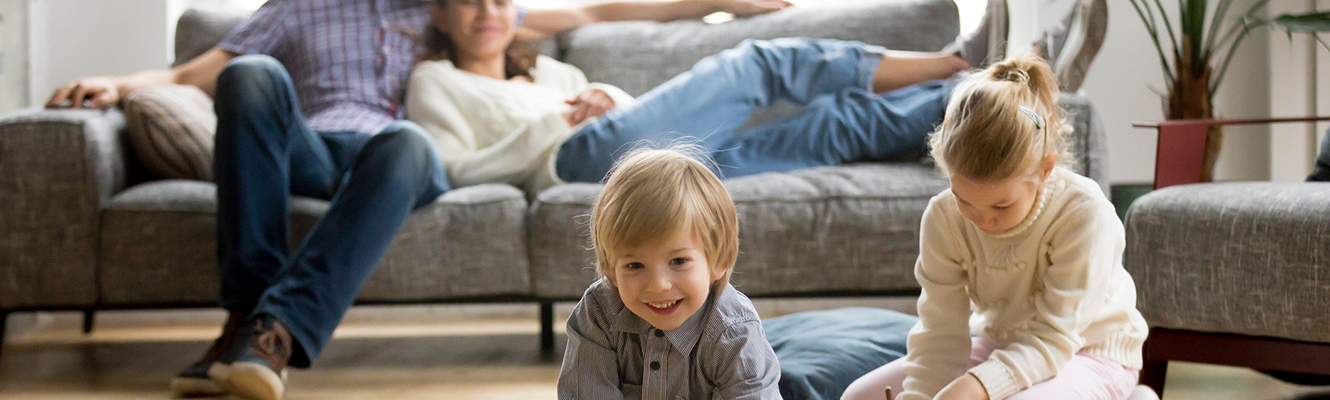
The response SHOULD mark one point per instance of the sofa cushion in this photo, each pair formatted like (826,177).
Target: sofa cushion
(1240,258)
(844,229)
(171,129)
(638,56)
(158,245)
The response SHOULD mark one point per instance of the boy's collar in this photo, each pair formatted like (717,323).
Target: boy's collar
(683,338)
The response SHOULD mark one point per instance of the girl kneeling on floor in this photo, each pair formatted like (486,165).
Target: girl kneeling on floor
(1022,253)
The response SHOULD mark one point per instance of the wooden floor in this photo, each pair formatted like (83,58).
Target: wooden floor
(441,352)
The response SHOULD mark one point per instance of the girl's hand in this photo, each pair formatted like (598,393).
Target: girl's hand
(590,104)
(967,387)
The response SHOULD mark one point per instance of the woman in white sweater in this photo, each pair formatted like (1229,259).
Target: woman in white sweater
(499,112)
(1020,252)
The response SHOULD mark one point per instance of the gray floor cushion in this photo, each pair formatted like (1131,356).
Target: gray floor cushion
(822,352)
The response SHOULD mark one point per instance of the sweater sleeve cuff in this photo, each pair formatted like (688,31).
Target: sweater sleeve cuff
(996,378)
(620,97)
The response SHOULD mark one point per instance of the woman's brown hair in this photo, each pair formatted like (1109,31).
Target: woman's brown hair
(518,60)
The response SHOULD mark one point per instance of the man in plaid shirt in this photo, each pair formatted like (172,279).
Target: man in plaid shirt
(308,96)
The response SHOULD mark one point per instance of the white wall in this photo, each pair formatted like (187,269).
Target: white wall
(1300,87)
(70,39)
(13,54)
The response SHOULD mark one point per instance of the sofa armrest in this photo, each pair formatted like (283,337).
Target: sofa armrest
(1086,141)
(60,168)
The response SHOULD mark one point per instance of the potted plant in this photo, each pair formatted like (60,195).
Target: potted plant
(1203,42)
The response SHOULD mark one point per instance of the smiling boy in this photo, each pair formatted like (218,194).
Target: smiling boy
(664,322)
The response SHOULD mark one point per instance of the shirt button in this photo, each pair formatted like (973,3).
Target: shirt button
(387,50)
(660,333)
(655,365)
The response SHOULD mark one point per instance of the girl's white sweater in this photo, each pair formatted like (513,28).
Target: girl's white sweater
(1049,288)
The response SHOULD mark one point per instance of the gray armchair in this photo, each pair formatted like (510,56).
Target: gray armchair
(1230,273)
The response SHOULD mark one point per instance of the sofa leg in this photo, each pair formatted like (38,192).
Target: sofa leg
(89,316)
(4,322)
(546,326)
(1153,375)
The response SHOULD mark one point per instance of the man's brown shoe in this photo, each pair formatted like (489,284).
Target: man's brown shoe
(193,381)
(257,367)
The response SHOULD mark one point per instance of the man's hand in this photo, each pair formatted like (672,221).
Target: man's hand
(748,8)
(590,104)
(97,92)
(967,387)
(103,91)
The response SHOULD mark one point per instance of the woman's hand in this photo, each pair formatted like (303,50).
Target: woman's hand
(967,387)
(590,104)
(748,8)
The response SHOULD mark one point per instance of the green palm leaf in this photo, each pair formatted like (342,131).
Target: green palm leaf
(1198,39)
(1304,23)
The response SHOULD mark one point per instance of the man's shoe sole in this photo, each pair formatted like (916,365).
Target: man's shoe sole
(219,373)
(254,381)
(186,387)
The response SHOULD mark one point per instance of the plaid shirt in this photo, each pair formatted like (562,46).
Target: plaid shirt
(349,59)
(720,352)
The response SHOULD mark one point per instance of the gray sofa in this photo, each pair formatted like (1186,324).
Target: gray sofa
(83,228)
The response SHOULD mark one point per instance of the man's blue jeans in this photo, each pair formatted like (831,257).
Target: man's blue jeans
(843,120)
(264,153)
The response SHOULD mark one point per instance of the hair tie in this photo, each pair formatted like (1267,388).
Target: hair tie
(1038,121)
(1015,75)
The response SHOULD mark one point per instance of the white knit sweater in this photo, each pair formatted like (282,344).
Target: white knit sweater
(1047,289)
(489,130)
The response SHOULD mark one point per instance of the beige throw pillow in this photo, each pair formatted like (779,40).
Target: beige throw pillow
(171,130)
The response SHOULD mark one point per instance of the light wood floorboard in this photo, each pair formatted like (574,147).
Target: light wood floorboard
(434,352)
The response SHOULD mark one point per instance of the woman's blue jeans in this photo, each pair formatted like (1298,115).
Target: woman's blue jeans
(843,120)
(264,153)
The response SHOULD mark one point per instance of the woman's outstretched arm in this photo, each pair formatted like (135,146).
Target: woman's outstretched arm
(547,22)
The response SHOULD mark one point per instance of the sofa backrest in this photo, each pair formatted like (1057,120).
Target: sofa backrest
(200,29)
(638,56)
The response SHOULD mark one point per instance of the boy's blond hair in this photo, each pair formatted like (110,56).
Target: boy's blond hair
(650,195)
(1002,122)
